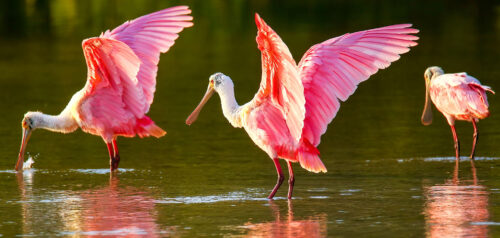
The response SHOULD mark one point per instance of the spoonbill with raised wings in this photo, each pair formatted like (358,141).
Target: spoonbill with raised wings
(121,79)
(295,103)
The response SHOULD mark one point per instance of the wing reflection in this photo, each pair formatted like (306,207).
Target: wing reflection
(110,210)
(314,226)
(452,208)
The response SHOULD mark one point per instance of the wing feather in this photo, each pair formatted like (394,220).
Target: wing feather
(113,66)
(148,36)
(280,82)
(330,71)
(460,95)
(122,66)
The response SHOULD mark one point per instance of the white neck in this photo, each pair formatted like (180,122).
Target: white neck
(230,107)
(63,122)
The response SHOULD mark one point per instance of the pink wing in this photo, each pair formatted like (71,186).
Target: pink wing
(460,95)
(280,78)
(332,70)
(147,36)
(111,97)
(121,78)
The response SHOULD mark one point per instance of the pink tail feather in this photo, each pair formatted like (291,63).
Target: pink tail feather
(479,105)
(308,156)
(146,127)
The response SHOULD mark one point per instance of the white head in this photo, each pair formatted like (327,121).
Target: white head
(430,73)
(33,120)
(217,82)
(221,83)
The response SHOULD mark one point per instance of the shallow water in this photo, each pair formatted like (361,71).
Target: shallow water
(387,174)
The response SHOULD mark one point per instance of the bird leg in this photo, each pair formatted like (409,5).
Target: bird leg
(291,179)
(457,143)
(116,157)
(475,136)
(455,173)
(111,155)
(280,178)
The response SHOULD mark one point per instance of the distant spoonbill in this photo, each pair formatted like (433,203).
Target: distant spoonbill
(295,103)
(459,97)
(122,66)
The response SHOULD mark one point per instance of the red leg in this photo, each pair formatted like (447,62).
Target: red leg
(111,155)
(116,158)
(291,179)
(280,178)
(475,135)
(457,143)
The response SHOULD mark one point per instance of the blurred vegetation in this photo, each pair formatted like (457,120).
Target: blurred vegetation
(63,18)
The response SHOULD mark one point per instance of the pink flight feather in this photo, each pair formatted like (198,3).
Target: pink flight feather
(122,66)
(331,71)
(308,95)
(280,79)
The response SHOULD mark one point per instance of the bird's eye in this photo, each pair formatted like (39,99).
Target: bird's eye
(27,122)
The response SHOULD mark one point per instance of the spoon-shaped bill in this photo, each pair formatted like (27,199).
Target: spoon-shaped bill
(427,113)
(24,142)
(194,115)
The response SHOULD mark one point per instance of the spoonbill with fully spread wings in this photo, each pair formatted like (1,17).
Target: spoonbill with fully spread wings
(122,66)
(295,103)
(459,97)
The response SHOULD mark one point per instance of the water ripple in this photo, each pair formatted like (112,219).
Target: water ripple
(85,171)
(232,196)
(128,231)
(99,171)
(447,159)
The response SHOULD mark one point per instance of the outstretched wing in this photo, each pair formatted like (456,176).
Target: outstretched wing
(280,82)
(147,37)
(332,70)
(112,70)
(121,76)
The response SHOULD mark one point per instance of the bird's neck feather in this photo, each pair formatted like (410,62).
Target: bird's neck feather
(436,74)
(63,122)
(230,107)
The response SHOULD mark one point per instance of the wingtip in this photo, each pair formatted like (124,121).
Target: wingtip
(405,25)
(410,27)
(176,8)
(257,19)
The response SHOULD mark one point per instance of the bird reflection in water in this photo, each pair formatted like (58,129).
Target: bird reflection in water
(314,226)
(456,208)
(110,210)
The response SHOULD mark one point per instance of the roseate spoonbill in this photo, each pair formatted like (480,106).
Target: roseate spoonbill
(122,66)
(459,97)
(295,103)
